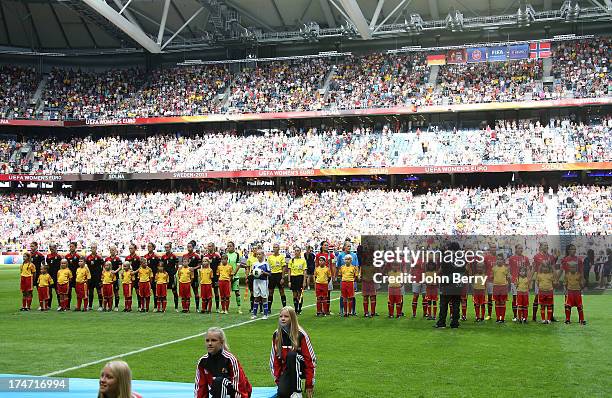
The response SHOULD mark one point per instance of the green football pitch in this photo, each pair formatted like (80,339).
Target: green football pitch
(357,357)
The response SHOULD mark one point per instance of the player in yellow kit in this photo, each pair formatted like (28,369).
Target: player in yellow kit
(225,272)
(277,263)
(161,288)
(185,276)
(64,276)
(83,276)
(145,275)
(44,288)
(479,287)
(348,274)
(127,280)
(523,281)
(545,281)
(206,274)
(501,279)
(297,278)
(27,272)
(574,283)
(322,275)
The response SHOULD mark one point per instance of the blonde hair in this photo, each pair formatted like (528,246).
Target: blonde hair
(221,334)
(294,332)
(123,376)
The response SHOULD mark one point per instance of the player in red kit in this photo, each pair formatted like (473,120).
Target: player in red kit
(516,262)
(490,259)
(418,288)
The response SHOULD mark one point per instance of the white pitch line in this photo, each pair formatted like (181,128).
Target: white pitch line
(161,345)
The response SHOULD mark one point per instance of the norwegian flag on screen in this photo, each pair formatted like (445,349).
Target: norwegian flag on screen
(540,50)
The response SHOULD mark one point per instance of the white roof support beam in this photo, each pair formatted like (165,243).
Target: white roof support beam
(162,25)
(124,25)
(392,12)
(327,12)
(377,11)
(607,8)
(354,12)
(187,22)
(434,11)
(127,12)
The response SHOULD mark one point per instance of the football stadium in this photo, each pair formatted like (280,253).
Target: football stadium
(305,198)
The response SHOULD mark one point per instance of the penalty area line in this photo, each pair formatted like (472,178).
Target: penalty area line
(84,365)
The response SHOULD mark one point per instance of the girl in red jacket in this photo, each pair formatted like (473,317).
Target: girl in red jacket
(292,357)
(219,372)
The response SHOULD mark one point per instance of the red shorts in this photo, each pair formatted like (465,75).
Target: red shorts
(321,289)
(573,298)
(161,289)
(347,289)
(26,283)
(479,297)
(107,290)
(431,290)
(545,298)
(522,299)
(185,290)
(81,290)
(127,290)
(144,289)
(206,291)
(225,288)
(368,288)
(431,297)
(43,293)
(396,299)
(63,288)
(500,290)
(500,298)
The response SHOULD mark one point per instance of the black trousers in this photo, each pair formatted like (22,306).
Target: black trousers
(221,388)
(90,293)
(291,379)
(455,301)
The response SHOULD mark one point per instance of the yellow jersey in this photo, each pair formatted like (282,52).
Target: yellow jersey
(161,278)
(395,275)
(145,274)
(545,281)
(206,276)
(322,275)
(63,276)
(185,275)
(27,269)
(249,263)
(225,272)
(297,266)
(277,263)
(127,277)
(500,275)
(108,277)
(82,274)
(348,273)
(573,281)
(479,285)
(45,280)
(522,284)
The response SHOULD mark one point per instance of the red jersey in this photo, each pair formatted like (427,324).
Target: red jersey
(515,263)
(489,260)
(567,260)
(417,271)
(221,364)
(278,362)
(540,258)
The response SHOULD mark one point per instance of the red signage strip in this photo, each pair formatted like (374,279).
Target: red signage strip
(498,168)
(397,110)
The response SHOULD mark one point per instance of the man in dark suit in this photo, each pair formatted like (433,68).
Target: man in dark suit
(450,292)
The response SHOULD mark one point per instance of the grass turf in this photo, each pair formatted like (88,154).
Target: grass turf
(378,357)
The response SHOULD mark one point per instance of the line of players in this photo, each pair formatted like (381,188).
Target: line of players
(218,274)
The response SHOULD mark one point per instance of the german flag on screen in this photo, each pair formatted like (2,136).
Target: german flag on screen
(438,59)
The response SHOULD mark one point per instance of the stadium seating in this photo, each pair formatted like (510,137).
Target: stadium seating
(508,142)
(580,70)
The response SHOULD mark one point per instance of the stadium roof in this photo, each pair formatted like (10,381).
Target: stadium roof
(176,25)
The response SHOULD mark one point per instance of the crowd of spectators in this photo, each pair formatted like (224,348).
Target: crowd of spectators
(269,216)
(17,86)
(579,69)
(585,210)
(508,142)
